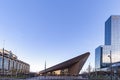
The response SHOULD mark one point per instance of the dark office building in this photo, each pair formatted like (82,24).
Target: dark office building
(9,64)
(108,54)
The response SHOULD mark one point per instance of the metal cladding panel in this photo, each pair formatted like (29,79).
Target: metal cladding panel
(69,63)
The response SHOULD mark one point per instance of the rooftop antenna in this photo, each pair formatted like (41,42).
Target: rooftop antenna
(45,65)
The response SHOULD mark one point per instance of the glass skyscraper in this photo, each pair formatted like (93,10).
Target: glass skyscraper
(112,31)
(112,44)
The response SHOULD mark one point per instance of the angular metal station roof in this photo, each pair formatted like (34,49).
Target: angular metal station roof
(71,63)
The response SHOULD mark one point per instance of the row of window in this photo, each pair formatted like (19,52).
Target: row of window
(8,64)
(57,72)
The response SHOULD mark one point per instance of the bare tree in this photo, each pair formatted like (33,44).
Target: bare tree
(89,69)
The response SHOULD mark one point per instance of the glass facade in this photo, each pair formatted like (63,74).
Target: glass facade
(108,32)
(112,44)
(115,52)
(98,57)
(59,72)
(0,62)
(12,64)
(5,63)
(112,31)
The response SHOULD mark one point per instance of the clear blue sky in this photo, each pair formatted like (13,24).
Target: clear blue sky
(54,30)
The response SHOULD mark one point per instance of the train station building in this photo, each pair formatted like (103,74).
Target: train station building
(70,67)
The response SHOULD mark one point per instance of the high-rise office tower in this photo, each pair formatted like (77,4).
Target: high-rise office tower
(111,49)
(112,31)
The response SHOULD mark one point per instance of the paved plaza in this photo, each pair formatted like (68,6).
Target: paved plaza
(50,78)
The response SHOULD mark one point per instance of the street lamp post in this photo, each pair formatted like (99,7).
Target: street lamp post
(110,56)
(45,70)
(3,59)
(3,62)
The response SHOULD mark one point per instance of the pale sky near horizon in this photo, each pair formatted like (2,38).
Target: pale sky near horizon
(54,30)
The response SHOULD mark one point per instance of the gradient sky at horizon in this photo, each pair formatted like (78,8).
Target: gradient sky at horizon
(54,30)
